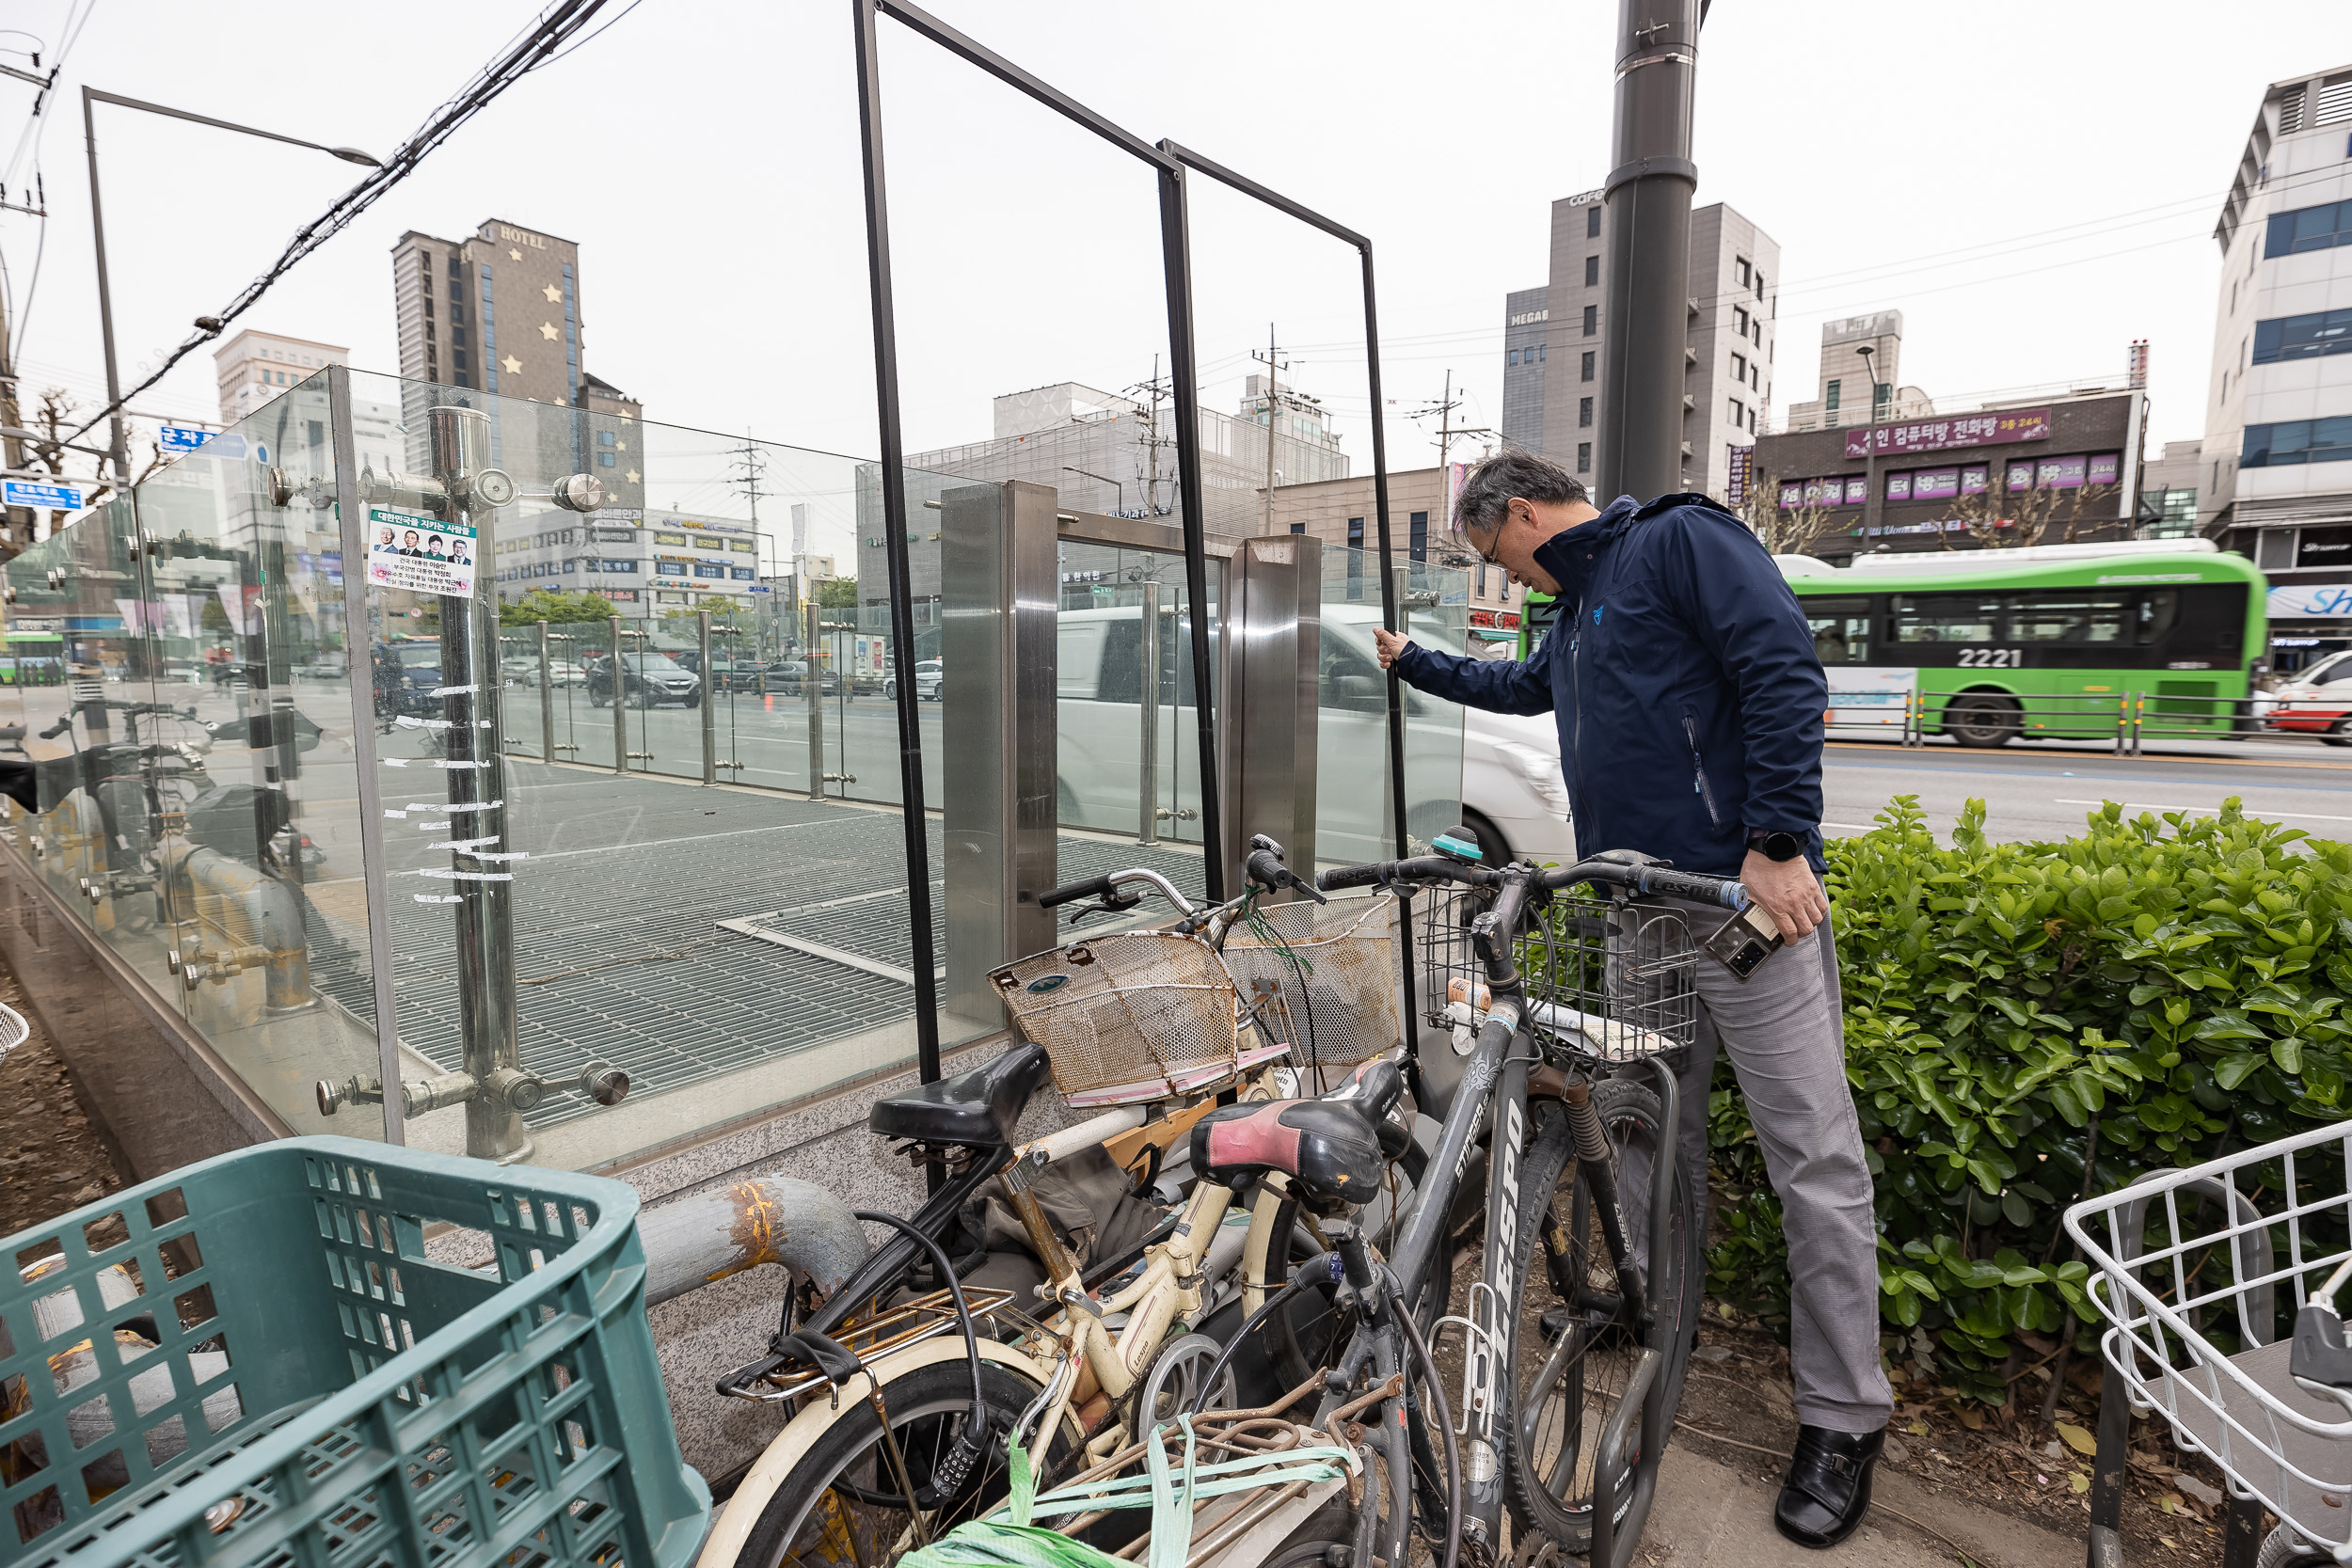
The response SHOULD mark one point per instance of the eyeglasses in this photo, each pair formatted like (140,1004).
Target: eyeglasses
(1466,537)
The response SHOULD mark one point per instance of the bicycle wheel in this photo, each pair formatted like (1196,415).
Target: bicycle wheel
(841,1506)
(1573,1354)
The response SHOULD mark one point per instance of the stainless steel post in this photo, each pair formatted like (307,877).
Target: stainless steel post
(547,700)
(477,801)
(1149,794)
(615,682)
(710,709)
(812,686)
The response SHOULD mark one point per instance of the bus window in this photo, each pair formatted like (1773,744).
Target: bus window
(2160,607)
(2070,616)
(1841,629)
(1948,618)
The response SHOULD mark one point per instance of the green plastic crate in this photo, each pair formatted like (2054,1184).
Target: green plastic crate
(321,1351)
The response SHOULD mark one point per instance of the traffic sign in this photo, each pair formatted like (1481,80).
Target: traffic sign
(183,437)
(55,497)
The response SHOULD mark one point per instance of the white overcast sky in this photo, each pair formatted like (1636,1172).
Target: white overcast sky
(2038,190)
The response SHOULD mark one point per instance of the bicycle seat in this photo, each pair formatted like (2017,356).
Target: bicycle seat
(1332,1146)
(976,1108)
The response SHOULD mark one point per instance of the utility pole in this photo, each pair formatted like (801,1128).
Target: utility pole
(752,462)
(1272,363)
(1153,390)
(19,519)
(1648,196)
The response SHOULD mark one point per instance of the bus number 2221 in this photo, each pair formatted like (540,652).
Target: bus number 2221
(1987,659)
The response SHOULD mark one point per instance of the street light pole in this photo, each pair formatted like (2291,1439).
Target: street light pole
(1100,479)
(119,444)
(1870,509)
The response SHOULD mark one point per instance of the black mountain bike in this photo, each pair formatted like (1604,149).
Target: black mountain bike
(1577,1324)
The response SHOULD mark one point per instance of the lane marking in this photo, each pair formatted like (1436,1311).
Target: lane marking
(1850,827)
(2210,811)
(1882,749)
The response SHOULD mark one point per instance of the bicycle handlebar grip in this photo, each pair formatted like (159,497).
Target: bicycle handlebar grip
(1352,875)
(1692,885)
(1093,887)
(58,728)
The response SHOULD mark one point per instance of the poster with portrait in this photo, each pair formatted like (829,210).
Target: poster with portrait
(422,554)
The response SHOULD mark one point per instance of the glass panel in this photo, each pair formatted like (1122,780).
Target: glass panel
(727,948)
(1841,629)
(1955,618)
(1353,819)
(1100,664)
(2070,618)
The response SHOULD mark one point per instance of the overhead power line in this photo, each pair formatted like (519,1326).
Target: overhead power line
(558,26)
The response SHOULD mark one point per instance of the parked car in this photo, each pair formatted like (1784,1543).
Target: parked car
(523,670)
(789,676)
(647,680)
(737,674)
(1506,767)
(929,674)
(2316,701)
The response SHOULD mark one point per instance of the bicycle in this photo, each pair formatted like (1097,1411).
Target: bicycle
(2183,1260)
(910,1403)
(1590,1494)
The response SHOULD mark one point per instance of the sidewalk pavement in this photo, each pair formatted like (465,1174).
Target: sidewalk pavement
(1714,1514)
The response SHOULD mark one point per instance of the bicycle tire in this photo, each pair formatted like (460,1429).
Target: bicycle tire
(928,1407)
(2285,1548)
(1548,1485)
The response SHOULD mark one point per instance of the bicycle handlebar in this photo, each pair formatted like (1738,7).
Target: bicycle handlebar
(1662,881)
(1106,887)
(1093,887)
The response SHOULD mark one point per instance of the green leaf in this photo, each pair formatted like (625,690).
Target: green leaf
(2234,1069)
(2288,1053)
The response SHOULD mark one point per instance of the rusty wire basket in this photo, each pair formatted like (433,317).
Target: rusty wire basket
(1135,1016)
(1608,979)
(1324,980)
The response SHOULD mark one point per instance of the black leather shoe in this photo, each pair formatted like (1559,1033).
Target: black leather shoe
(1828,1489)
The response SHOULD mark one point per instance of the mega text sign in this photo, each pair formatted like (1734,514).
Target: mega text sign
(1942,434)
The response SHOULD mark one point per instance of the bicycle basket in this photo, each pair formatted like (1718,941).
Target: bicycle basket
(1131,1017)
(2183,1255)
(1324,980)
(1612,979)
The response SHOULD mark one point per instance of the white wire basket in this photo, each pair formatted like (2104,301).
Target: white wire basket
(2232,1249)
(14,1031)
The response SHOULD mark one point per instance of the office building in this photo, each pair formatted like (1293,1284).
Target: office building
(2278,447)
(1727,354)
(1860,379)
(253,369)
(2168,491)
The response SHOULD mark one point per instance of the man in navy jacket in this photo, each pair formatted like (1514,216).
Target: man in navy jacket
(1690,702)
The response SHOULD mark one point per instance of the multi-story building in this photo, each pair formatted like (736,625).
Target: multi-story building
(1727,354)
(2055,468)
(1860,377)
(1108,453)
(253,369)
(2278,447)
(1339,512)
(2168,491)
(1525,357)
(499,313)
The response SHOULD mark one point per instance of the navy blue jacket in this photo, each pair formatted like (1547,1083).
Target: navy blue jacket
(1682,675)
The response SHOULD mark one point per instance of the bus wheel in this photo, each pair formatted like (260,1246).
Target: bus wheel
(1981,719)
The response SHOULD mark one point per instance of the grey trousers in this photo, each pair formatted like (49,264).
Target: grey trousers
(1785,1029)
(1786,1033)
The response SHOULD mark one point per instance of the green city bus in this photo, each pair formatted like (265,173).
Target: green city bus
(2034,643)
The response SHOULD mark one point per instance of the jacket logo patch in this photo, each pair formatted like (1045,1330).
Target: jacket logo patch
(1596,610)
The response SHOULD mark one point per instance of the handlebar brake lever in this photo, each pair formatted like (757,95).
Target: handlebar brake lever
(1111,904)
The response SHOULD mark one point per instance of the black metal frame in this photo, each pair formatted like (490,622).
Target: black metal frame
(1169,161)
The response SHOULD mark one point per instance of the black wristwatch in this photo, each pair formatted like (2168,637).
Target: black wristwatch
(1775,845)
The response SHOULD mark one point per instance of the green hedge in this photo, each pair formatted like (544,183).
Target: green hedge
(2026,1022)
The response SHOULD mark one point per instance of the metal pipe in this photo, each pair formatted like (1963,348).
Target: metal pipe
(547,700)
(1148,829)
(902,592)
(620,707)
(120,440)
(711,711)
(1183,372)
(460,439)
(812,688)
(275,941)
(694,1240)
(1648,196)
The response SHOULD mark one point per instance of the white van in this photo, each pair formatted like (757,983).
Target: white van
(1511,791)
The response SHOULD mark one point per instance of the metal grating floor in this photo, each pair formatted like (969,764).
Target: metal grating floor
(619,952)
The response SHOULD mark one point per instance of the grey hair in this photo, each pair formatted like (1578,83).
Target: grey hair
(1487,492)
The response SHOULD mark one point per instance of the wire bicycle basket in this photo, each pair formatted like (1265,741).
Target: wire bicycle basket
(1611,979)
(2187,1263)
(1324,980)
(1135,1016)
